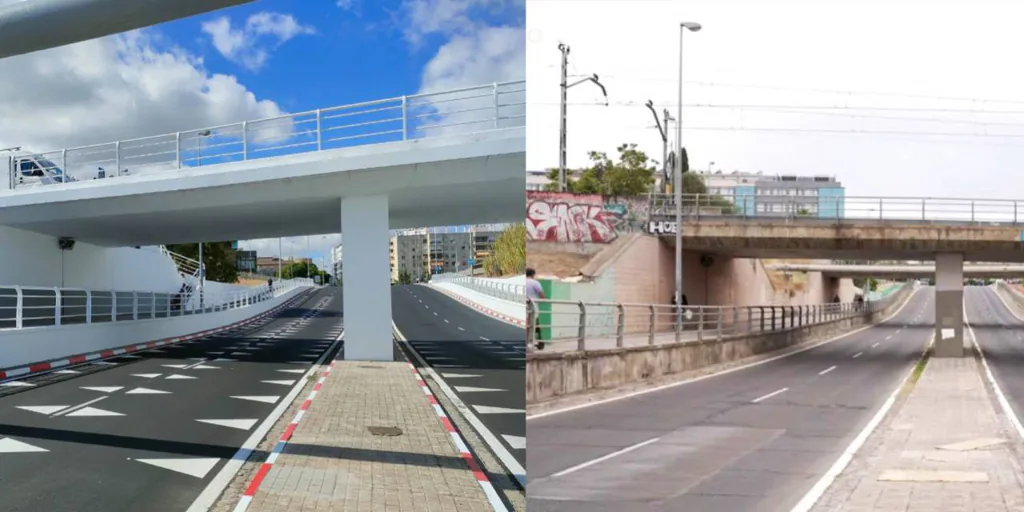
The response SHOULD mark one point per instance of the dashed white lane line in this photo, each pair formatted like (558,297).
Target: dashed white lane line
(446,321)
(77,407)
(435,313)
(604,458)
(769,395)
(875,345)
(887,337)
(461,329)
(855,356)
(485,339)
(826,370)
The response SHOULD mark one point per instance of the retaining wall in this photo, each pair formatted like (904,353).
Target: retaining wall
(551,375)
(31,345)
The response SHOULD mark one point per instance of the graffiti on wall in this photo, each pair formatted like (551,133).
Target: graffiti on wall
(558,217)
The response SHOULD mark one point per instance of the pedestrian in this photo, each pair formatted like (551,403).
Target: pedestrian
(534,291)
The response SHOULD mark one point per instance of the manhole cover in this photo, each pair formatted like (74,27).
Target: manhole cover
(385,431)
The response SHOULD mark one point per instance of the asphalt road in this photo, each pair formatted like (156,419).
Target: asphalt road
(148,434)
(1001,337)
(754,439)
(482,359)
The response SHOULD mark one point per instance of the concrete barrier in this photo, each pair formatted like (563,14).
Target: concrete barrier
(1012,296)
(551,375)
(31,345)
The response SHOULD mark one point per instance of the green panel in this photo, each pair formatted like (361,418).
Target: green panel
(544,309)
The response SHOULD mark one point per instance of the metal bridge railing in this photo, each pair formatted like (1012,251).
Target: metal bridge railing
(505,291)
(825,207)
(600,325)
(467,110)
(28,306)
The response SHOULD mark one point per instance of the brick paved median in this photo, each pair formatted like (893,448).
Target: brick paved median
(334,462)
(945,450)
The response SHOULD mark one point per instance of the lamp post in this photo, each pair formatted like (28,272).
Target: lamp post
(202,135)
(677,183)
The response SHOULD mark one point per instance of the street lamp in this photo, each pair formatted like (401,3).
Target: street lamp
(202,135)
(677,183)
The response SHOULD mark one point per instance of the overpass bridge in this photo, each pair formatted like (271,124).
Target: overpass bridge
(995,271)
(443,158)
(948,231)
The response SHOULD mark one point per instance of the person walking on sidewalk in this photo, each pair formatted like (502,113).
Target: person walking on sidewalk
(534,291)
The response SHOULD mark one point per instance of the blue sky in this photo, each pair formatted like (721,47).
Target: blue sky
(357,53)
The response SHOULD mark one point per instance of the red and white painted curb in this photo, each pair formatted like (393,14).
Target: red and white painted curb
(286,436)
(483,309)
(32,369)
(474,465)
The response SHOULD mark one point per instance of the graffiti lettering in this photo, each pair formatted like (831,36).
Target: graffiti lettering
(563,222)
(661,227)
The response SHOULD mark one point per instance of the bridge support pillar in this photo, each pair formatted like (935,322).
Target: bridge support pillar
(949,305)
(366,279)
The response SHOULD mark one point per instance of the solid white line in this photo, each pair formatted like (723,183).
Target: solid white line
(76,407)
(1004,404)
(723,372)
(492,441)
(604,458)
(840,464)
(855,356)
(769,395)
(209,496)
(826,370)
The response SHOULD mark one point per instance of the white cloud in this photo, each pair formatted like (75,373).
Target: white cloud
(249,45)
(115,88)
(896,47)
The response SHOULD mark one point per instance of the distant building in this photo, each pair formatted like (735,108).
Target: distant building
(761,195)
(535,180)
(245,261)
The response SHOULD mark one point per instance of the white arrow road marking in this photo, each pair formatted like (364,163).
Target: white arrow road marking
(239,424)
(147,375)
(147,391)
(516,442)
(178,377)
(16,384)
(279,382)
(487,409)
(471,389)
(103,389)
(264,399)
(92,411)
(191,467)
(44,409)
(296,370)
(178,366)
(8,445)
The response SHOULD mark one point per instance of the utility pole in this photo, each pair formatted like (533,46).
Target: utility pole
(663,131)
(202,276)
(677,185)
(564,48)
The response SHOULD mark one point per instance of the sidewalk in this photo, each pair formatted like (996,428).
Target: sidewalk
(511,312)
(946,450)
(342,451)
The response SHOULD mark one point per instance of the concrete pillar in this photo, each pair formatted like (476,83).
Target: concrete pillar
(367,279)
(949,305)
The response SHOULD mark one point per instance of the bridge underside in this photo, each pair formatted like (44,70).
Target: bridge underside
(426,183)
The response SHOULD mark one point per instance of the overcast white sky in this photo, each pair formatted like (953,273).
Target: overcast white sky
(786,50)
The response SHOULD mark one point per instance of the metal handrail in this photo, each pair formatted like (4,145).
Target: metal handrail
(505,291)
(465,110)
(583,322)
(823,207)
(30,306)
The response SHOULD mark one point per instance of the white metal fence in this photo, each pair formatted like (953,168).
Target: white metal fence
(505,291)
(581,322)
(27,306)
(466,110)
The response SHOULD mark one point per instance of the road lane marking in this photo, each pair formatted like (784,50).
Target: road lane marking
(769,395)
(77,407)
(889,336)
(910,298)
(826,370)
(485,339)
(855,356)
(875,345)
(446,321)
(604,458)
(461,329)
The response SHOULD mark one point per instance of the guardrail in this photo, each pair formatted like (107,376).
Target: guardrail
(823,207)
(466,110)
(605,322)
(505,291)
(28,306)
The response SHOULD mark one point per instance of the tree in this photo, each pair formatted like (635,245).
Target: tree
(219,258)
(696,191)
(298,269)
(631,175)
(508,256)
(404,277)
